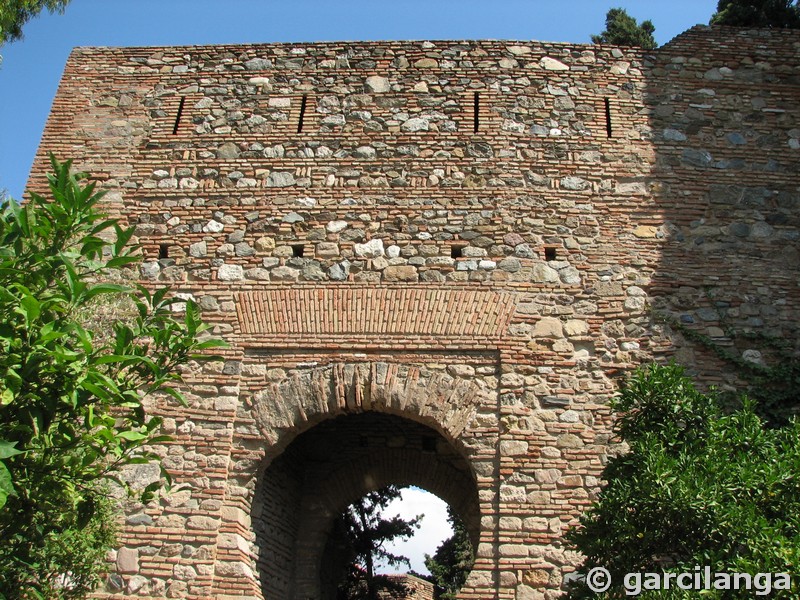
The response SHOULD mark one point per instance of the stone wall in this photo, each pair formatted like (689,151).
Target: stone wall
(725,112)
(477,239)
(417,589)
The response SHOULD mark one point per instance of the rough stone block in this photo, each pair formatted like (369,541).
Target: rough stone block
(128,560)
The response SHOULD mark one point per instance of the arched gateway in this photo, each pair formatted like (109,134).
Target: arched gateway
(307,487)
(433,262)
(332,430)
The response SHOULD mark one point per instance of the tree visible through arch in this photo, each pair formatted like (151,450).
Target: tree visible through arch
(366,533)
(307,487)
(451,563)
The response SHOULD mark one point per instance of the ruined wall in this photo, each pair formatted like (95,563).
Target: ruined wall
(477,237)
(417,589)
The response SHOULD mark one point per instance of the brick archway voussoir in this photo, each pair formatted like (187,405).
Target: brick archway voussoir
(284,409)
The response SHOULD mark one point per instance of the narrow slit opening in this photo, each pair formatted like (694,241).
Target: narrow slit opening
(476,109)
(608,117)
(163,251)
(302,113)
(178,116)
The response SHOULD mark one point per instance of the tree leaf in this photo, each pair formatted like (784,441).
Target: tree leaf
(6,485)
(7,449)
(132,436)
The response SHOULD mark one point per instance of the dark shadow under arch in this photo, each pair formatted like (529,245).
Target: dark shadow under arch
(304,490)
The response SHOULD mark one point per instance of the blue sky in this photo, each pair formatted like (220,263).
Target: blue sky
(433,530)
(32,67)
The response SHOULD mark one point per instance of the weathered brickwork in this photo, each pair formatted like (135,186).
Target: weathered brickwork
(434,261)
(416,589)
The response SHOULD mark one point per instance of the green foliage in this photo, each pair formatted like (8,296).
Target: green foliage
(62,557)
(757,13)
(623,30)
(15,13)
(698,486)
(451,563)
(71,409)
(367,533)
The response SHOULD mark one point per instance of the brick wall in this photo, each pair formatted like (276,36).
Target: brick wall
(417,589)
(478,238)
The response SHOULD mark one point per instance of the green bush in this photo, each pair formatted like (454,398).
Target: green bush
(698,486)
(56,555)
(757,13)
(71,399)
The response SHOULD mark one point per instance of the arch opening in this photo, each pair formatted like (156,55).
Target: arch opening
(401,542)
(306,488)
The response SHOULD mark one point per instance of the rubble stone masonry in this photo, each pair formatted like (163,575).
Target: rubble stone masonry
(434,262)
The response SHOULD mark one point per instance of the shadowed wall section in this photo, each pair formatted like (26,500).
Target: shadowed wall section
(725,106)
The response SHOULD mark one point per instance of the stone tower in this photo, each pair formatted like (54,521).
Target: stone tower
(434,262)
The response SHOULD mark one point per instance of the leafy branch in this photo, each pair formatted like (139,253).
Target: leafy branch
(73,393)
